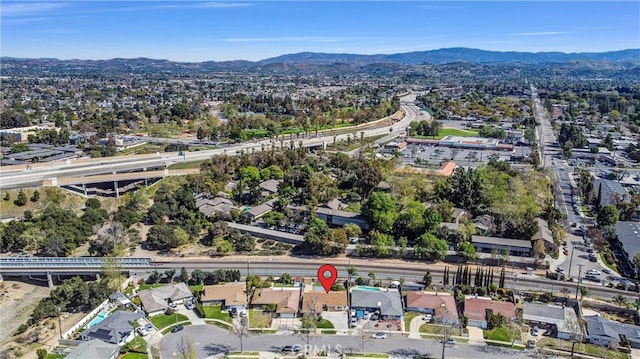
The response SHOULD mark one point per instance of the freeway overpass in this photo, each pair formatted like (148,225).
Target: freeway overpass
(33,176)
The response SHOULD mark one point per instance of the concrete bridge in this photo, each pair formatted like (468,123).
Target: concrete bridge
(52,267)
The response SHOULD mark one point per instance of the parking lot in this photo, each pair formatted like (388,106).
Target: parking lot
(435,155)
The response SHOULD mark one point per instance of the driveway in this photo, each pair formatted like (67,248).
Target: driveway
(476,336)
(339,321)
(414,327)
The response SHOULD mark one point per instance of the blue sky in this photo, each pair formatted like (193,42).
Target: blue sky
(254,30)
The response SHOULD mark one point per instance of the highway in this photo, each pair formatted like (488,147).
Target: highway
(19,176)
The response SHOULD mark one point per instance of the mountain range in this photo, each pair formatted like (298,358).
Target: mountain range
(440,56)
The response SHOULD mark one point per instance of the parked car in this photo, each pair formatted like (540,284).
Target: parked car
(606,271)
(148,327)
(142,331)
(379,336)
(234,312)
(448,342)
(188,305)
(177,328)
(296,348)
(535,331)
(427,317)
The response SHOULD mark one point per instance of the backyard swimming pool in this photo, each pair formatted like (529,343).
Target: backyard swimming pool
(100,317)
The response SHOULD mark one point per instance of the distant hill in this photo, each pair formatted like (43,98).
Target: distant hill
(457,54)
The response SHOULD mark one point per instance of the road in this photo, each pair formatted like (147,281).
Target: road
(210,340)
(552,159)
(19,176)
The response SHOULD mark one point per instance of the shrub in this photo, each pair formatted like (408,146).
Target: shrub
(41,353)
(200,310)
(22,328)
(169,311)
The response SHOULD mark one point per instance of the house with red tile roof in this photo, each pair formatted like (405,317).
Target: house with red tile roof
(477,309)
(437,304)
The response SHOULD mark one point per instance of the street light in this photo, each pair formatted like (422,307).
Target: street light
(59,322)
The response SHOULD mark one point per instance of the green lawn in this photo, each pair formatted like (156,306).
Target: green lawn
(437,329)
(132,355)
(54,356)
(162,321)
(215,312)
(222,325)
(502,334)
(259,319)
(611,266)
(407,319)
(594,350)
(138,344)
(325,324)
(186,165)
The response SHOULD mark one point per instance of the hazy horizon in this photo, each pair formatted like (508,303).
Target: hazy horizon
(191,31)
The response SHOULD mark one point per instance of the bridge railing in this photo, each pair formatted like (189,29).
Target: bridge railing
(57,262)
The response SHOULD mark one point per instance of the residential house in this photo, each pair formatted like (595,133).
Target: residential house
(94,349)
(269,187)
(477,309)
(286,301)
(437,304)
(260,210)
(608,191)
(228,296)
(516,247)
(217,205)
(562,319)
(156,300)
(117,328)
(333,217)
(628,243)
(605,332)
(319,301)
(544,234)
(385,300)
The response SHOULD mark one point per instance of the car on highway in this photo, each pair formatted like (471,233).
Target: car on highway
(177,328)
(379,336)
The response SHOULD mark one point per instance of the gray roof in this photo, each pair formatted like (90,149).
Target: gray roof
(543,231)
(270,185)
(609,188)
(629,236)
(94,349)
(260,210)
(600,327)
(505,242)
(155,299)
(113,328)
(562,317)
(388,300)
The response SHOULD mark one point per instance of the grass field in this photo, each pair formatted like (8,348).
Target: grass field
(48,195)
(407,319)
(186,165)
(500,334)
(138,344)
(162,321)
(258,319)
(437,329)
(215,312)
(132,355)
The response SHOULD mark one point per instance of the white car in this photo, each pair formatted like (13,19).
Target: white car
(379,336)
(427,317)
(593,272)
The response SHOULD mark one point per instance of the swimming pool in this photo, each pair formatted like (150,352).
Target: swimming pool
(100,317)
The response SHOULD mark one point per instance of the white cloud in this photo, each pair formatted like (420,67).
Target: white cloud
(26,9)
(542,33)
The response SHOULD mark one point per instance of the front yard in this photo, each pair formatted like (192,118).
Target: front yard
(437,329)
(501,334)
(408,317)
(590,349)
(259,319)
(215,312)
(163,320)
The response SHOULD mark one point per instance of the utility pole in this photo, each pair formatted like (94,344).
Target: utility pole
(578,281)
(570,263)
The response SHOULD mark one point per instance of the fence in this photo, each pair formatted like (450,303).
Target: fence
(84,321)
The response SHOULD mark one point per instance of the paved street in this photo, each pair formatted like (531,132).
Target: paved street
(211,340)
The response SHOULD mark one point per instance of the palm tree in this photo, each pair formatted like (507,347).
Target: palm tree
(372,276)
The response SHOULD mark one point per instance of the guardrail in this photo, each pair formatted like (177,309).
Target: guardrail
(70,262)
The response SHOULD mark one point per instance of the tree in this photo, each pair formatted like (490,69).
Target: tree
(426,280)
(434,248)
(241,330)
(187,349)
(381,212)
(353,230)
(308,325)
(607,215)
(35,196)
(467,251)
(620,300)
(21,200)
(112,272)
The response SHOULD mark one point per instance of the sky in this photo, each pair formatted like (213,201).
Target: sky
(254,30)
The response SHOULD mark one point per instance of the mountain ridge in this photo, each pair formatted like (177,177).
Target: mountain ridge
(436,57)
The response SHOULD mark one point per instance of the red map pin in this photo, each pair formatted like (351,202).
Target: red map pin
(327,275)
